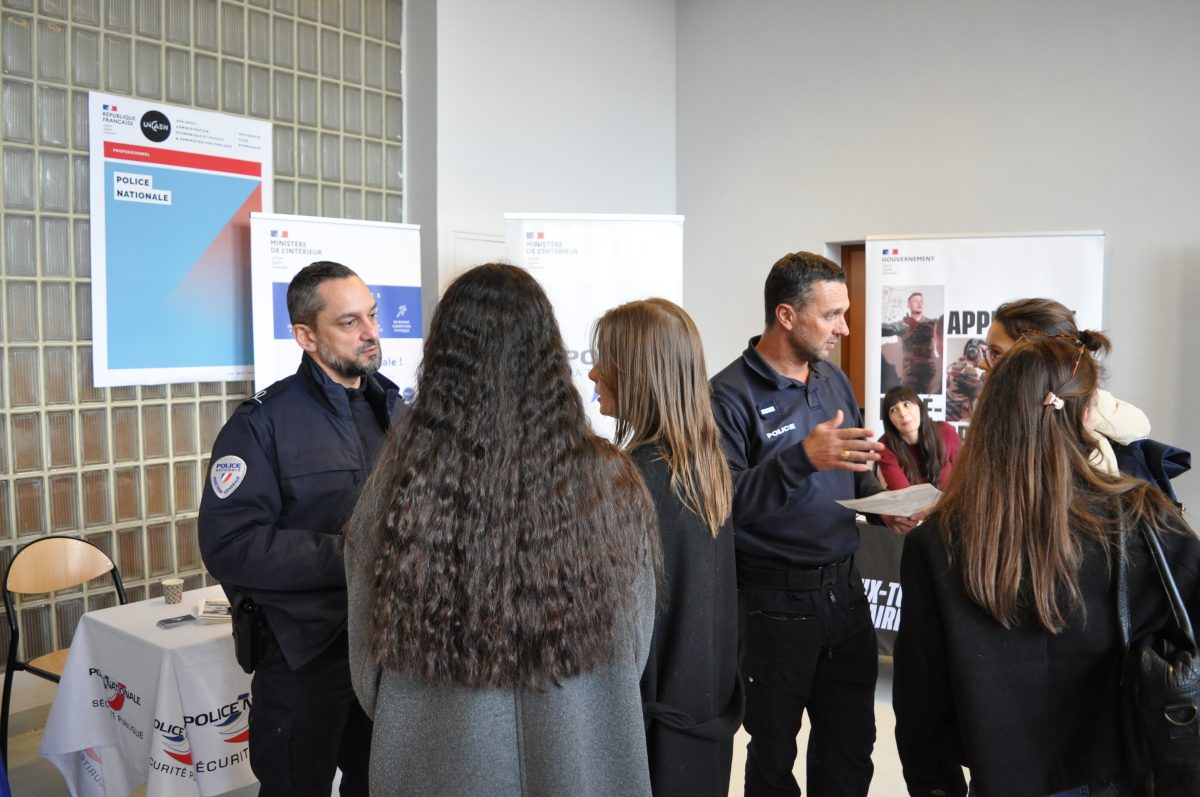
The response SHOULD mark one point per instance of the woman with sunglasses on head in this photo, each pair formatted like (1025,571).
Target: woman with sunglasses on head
(919,449)
(1008,658)
(1117,421)
(650,377)
(500,568)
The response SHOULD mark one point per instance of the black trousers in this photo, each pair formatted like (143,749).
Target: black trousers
(305,724)
(809,650)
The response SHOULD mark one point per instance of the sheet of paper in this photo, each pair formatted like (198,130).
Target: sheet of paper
(903,503)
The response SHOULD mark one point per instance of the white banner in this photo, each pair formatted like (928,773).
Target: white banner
(171,192)
(930,301)
(588,264)
(386,256)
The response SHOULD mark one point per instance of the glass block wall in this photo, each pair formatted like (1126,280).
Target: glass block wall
(123,467)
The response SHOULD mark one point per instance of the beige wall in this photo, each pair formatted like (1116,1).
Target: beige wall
(803,123)
(564,106)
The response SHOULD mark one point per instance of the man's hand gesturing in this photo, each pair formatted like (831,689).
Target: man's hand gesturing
(829,447)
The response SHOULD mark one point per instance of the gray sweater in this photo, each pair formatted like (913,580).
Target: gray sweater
(584,738)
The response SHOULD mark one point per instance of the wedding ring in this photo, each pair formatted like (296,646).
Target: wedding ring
(844,455)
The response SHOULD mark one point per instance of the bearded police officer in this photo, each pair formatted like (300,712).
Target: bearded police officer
(790,427)
(286,471)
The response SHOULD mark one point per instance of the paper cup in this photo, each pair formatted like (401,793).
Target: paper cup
(173,590)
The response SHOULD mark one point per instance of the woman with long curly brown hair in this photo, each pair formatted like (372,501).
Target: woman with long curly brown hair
(1008,658)
(500,568)
(650,377)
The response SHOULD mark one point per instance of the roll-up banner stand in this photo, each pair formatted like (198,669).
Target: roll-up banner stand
(386,256)
(929,303)
(589,263)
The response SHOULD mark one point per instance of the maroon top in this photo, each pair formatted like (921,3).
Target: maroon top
(893,475)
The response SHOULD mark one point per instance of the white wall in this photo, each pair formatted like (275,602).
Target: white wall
(801,123)
(551,106)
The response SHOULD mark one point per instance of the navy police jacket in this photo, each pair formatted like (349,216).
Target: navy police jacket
(285,473)
(783,507)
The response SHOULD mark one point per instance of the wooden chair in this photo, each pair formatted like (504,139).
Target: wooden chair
(43,566)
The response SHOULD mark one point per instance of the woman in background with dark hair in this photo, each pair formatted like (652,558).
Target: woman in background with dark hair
(650,377)
(1009,656)
(919,449)
(1117,421)
(500,566)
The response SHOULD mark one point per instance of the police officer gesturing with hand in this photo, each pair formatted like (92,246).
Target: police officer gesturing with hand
(806,639)
(286,471)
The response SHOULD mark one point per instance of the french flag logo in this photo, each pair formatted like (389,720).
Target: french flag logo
(891,251)
(110,107)
(279,234)
(529,236)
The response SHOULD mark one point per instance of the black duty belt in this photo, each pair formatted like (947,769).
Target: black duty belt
(767,574)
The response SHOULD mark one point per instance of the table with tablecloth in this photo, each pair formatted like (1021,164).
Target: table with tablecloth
(139,704)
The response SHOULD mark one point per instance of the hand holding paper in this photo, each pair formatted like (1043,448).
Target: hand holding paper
(900,503)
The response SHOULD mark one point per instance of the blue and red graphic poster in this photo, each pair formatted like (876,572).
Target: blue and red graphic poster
(172,193)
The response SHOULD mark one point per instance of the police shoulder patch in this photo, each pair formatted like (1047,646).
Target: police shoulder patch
(226,474)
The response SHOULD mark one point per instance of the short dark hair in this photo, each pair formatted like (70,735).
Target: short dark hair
(915,293)
(303,301)
(792,277)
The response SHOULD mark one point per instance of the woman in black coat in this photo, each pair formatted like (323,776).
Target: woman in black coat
(650,377)
(1008,658)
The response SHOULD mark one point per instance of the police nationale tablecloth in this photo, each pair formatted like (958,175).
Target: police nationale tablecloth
(143,704)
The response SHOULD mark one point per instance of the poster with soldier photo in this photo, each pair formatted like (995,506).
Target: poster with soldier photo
(933,299)
(931,303)
(911,352)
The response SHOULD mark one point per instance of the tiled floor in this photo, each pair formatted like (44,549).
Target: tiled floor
(33,776)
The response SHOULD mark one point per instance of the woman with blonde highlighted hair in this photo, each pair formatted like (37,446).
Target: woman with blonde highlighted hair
(650,377)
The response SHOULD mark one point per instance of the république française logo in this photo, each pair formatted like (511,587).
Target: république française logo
(891,255)
(156,126)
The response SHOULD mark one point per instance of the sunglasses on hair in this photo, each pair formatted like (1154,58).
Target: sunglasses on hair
(1074,341)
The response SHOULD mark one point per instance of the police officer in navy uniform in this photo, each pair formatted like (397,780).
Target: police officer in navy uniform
(286,471)
(791,429)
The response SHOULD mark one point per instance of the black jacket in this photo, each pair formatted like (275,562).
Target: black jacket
(290,465)
(1030,713)
(691,697)
(783,508)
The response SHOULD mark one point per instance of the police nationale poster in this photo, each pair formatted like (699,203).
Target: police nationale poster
(588,263)
(386,256)
(930,301)
(172,190)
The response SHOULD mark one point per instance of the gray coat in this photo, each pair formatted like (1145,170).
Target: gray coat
(586,737)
